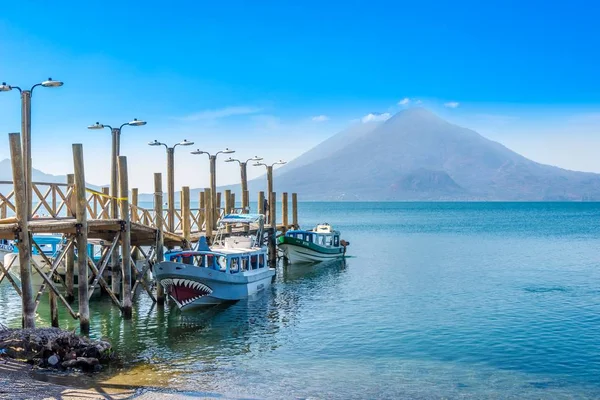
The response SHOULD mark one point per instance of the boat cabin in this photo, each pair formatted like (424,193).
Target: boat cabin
(231,263)
(322,235)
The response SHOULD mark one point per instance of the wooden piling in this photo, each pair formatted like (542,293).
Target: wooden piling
(114,262)
(53,308)
(81,235)
(273,236)
(217,209)
(23,244)
(160,250)
(185,214)
(260,208)
(125,237)
(134,202)
(245,201)
(295,210)
(202,211)
(209,214)
(228,206)
(284,210)
(70,256)
(232,202)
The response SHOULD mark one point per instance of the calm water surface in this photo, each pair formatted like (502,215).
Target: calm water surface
(484,300)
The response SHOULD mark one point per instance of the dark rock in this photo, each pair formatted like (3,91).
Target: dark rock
(53,360)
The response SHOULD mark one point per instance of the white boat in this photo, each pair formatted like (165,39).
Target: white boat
(233,268)
(6,247)
(321,243)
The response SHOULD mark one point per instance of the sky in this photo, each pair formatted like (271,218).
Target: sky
(275,78)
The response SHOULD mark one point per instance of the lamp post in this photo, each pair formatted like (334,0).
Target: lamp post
(116,150)
(244,174)
(26,131)
(171,177)
(270,175)
(213,174)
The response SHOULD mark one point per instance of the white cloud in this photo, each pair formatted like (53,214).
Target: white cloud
(222,113)
(371,117)
(320,118)
(404,101)
(452,104)
(418,102)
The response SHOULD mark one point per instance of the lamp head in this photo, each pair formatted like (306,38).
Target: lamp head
(231,160)
(51,83)
(227,151)
(136,122)
(97,125)
(155,143)
(5,88)
(256,158)
(198,151)
(185,143)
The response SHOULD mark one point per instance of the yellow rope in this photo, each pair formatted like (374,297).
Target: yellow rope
(106,195)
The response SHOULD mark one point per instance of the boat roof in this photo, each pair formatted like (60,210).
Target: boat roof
(241,219)
(311,231)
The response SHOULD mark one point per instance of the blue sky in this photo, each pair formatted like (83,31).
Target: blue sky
(275,78)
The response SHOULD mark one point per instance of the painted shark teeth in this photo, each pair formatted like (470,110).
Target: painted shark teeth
(171,286)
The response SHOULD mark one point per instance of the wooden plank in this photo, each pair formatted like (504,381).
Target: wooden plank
(158,211)
(81,237)
(125,237)
(16,156)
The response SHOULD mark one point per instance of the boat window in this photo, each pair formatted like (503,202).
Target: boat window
(235,265)
(309,237)
(292,235)
(321,240)
(336,241)
(261,261)
(254,262)
(328,240)
(244,264)
(199,260)
(222,261)
(300,236)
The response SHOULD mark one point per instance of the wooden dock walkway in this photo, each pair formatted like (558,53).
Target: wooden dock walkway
(133,242)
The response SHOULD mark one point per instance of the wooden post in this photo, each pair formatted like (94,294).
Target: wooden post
(228,206)
(23,244)
(260,208)
(209,214)
(134,203)
(160,250)
(115,275)
(185,214)
(202,212)
(284,210)
(70,256)
(125,237)
(217,208)
(295,210)
(232,202)
(81,235)
(273,221)
(53,309)
(246,201)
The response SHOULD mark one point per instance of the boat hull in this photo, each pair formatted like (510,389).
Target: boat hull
(191,286)
(299,251)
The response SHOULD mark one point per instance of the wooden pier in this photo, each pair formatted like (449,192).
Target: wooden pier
(134,238)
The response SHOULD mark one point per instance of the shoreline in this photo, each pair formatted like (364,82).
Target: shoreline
(19,380)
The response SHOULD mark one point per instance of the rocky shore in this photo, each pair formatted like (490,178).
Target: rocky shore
(55,348)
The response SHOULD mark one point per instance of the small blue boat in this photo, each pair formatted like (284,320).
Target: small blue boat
(233,268)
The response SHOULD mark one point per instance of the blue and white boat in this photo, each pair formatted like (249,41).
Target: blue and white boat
(234,267)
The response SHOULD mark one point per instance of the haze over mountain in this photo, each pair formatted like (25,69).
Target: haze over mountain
(415,155)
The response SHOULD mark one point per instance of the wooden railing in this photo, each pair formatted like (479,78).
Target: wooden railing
(55,201)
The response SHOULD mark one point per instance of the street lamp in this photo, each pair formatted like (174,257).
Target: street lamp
(171,177)
(213,175)
(270,174)
(244,176)
(26,131)
(116,150)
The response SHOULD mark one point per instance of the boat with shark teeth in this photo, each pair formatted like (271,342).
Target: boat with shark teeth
(233,268)
(322,243)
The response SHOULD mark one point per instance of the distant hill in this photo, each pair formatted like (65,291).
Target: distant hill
(415,155)
(36,174)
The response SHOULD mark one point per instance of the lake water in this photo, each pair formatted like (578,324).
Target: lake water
(439,300)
